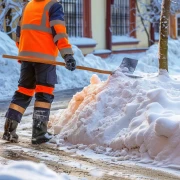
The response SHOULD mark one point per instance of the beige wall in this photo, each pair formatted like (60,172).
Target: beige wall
(141,35)
(99,27)
(98,19)
(98,16)
(130,46)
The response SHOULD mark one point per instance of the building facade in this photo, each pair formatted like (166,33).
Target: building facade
(103,27)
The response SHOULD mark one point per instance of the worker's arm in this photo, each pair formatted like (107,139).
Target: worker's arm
(18,29)
(57,23)
(18,33)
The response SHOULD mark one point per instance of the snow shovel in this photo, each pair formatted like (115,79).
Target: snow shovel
(127,63)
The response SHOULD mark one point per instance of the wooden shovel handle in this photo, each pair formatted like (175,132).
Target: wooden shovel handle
(46,61)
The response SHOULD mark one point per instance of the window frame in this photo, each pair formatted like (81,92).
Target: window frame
(86,19)
(177,17)
(132,18)
(120,18)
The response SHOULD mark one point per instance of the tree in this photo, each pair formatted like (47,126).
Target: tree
(163,41)
(150,13)
(167,7)
(9,12)
(160,10)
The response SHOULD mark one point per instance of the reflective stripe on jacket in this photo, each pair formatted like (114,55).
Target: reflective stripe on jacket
(42,30)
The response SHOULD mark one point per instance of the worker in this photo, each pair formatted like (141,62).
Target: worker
(41,33)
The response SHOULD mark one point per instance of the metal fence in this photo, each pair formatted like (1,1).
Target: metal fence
(73,10)
(120,22)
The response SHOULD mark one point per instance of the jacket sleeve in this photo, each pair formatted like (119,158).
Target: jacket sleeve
(18,29)
(57,24)
(18,33)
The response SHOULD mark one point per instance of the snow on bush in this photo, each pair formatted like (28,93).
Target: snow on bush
(26,170)
(136,118)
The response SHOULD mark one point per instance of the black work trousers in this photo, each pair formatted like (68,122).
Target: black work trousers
(33,75)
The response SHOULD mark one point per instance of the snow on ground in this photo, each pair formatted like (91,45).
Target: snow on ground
(132,119)
(26,170)
(135,118)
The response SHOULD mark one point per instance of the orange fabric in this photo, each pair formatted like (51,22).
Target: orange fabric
(28,92)
(47,17)
(44,89)
(17,44)
(33,40)
(39,42)
(62,44)
(59,28)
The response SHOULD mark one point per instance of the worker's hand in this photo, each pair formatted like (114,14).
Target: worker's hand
(70,62)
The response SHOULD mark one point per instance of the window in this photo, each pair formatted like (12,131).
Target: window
(73,10)
(178,25)
(120,17)
(156,27)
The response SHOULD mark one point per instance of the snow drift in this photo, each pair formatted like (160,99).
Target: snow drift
(137,118)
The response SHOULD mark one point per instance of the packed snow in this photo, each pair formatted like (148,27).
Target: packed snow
(136,118)
(26,170)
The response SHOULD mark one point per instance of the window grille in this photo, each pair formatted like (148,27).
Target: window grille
(120,22)
(73,10)
(156,27)
(178,26)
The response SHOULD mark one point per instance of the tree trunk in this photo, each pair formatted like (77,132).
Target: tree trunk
(164,30)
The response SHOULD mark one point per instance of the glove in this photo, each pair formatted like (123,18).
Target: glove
(70,62)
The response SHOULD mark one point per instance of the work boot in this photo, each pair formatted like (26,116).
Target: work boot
(39,132)
(10,131)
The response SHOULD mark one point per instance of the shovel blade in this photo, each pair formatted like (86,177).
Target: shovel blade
(128,65)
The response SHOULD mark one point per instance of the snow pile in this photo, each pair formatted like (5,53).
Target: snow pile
(30,171)
(149,62)
(136,118)
(10,69)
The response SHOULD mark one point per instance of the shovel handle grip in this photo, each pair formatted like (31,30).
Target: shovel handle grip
(46,61)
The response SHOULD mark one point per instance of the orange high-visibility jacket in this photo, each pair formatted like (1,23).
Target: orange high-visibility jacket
(41,31)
